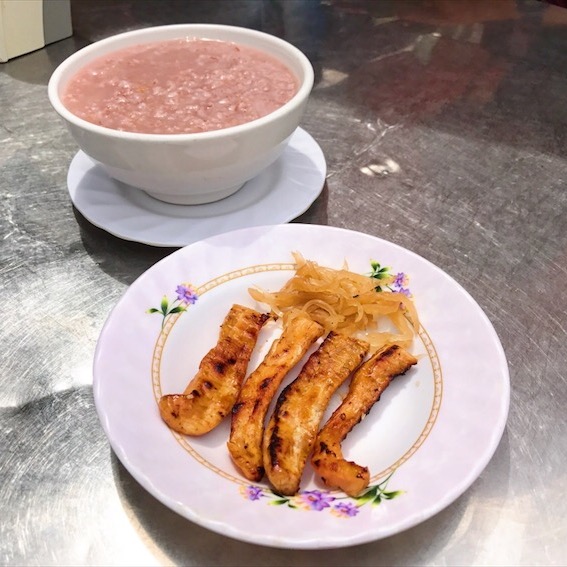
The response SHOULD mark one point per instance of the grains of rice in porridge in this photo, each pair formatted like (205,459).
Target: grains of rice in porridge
(179,86)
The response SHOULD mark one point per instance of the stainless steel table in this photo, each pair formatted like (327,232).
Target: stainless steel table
(444,126)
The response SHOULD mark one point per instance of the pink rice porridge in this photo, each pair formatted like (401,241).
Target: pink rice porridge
(179,86)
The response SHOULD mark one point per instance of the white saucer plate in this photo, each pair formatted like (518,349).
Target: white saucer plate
(425,442)
(279,194)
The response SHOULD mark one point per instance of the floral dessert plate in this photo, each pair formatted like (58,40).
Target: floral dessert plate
(280,193)
(425,441)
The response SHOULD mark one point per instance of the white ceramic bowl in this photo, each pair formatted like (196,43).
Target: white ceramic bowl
(188,168)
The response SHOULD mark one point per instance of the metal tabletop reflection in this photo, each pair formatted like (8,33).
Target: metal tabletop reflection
(444,127)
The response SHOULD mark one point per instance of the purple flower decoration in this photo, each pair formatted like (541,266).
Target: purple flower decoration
(400,280)
(345,509)
(253,492)
(316,500)
(399,284)
(186,294)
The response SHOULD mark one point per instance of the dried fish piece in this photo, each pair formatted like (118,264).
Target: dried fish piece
(292,429)
(249,412)
(213,391)
(366,387)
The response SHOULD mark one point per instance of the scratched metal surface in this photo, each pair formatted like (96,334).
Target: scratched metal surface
(444,125)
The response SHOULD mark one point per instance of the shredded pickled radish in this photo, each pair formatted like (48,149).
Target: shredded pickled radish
(345,302)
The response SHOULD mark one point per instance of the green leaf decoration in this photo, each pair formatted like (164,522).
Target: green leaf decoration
(377,501)
(378,273)
(392,495)
(367,496)
(377,268)
(164,304)
(279,502)
(153,310)
(178,309)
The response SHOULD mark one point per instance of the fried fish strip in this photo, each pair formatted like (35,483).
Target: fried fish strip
(292,429)
(366,387)
(249,412)
(210,395)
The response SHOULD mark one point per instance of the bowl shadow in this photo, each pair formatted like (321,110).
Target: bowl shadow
(124,260)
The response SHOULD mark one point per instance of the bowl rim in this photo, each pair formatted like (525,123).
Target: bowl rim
(302,93)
